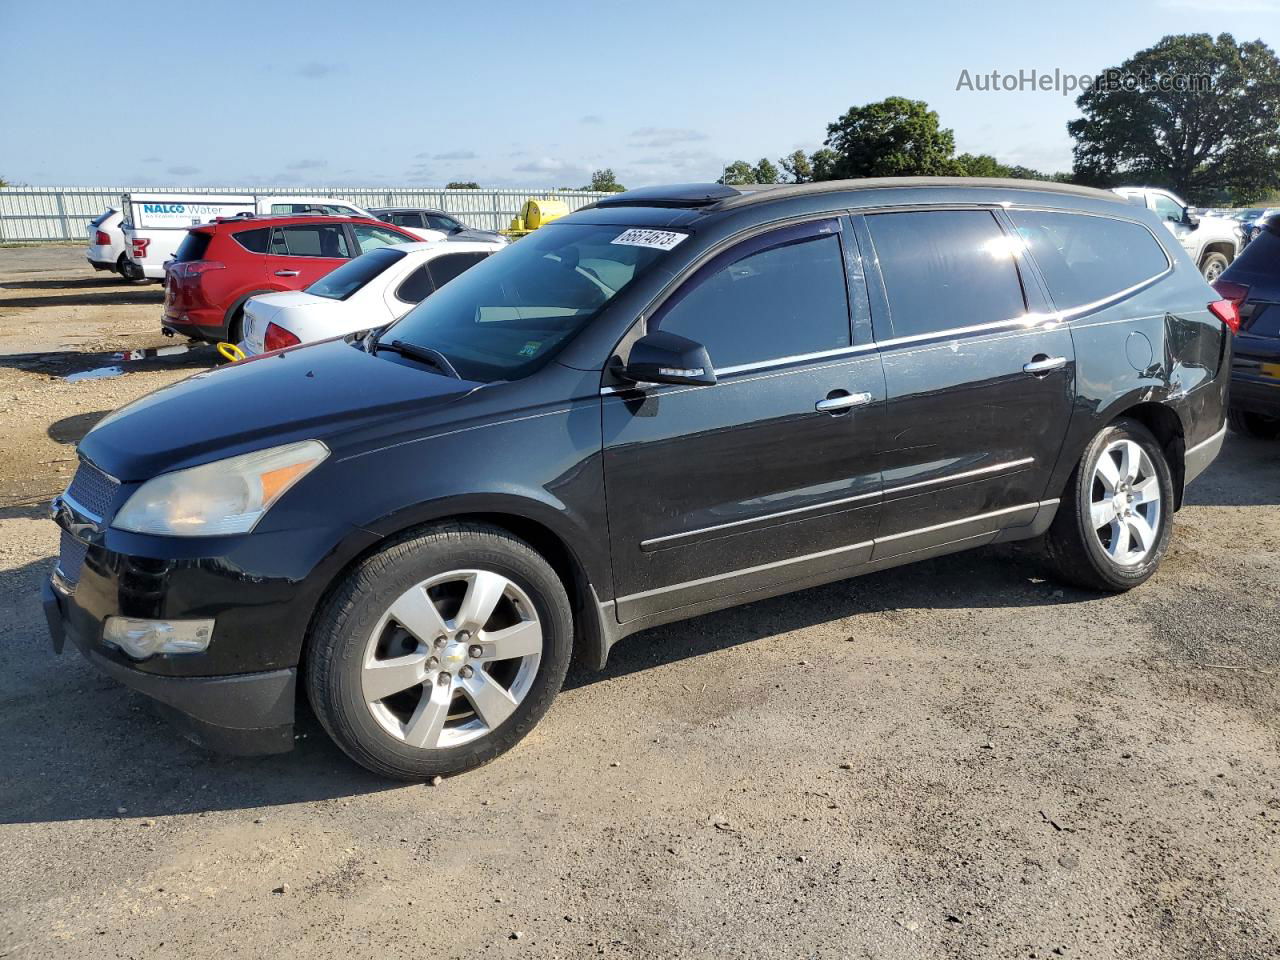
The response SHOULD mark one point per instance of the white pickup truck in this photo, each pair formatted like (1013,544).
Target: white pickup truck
(156,223)
(1213,242)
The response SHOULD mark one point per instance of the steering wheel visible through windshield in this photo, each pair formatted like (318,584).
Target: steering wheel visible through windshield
(507,316)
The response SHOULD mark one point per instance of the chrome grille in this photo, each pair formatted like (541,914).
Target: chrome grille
(70,557)
(93,490)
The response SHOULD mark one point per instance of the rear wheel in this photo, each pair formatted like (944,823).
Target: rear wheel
(129,270)
(440,652)
(1254,424)
(1212,266)
(1113,525)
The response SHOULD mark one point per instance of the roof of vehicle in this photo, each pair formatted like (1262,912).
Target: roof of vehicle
(715,196)
(286,219)
(411,210)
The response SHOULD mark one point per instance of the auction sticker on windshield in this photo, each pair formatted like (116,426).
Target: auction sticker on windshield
(657,239)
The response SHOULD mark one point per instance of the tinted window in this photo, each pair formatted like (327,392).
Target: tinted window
(255,241)
(445,268)
(945,269)
(416,287)
(507,316)
(404,219)
(311,240)
(350,277)
(437,222)
(371,238)
(193,246)
(780,301)
(1085,259)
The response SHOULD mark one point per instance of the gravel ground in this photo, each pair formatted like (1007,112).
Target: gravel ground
(955,759)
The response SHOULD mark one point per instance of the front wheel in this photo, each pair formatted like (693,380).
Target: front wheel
(440,652)
(1113,525)
(1212,266)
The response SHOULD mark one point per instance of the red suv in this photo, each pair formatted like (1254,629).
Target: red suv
(222,264)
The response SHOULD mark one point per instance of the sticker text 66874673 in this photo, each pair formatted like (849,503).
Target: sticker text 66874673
(658,239)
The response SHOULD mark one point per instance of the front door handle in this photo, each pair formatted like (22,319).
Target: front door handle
(843,401)
(287,273)
(1042,365)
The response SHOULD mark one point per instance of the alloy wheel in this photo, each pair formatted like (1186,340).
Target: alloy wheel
(452,658)
(1125,503)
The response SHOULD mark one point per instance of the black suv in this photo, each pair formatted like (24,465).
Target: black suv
(1252,282)
(673,401)
(428,218)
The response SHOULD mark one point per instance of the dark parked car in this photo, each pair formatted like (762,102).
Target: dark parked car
(1252,283)
(428,218)
(676,400)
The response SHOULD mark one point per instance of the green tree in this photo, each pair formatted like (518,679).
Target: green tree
(1198,142)
(980,165)
(896,137)
(462,185)
(796,167)
(765,172)
(738,172)
(823,163)
(604,181)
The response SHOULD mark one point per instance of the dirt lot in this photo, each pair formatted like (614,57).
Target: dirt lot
(957,759)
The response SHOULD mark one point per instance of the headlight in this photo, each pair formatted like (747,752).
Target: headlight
(214,499)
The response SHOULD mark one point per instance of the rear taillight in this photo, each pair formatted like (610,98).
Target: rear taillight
(277,338)
(194,268)
(1228,312)
(101,239)
(140,245)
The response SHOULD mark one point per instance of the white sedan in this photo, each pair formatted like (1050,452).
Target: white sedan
(369,291)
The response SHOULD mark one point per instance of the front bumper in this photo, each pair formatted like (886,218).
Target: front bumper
(243,714)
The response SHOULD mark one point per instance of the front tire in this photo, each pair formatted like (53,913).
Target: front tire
(1212,265)
(440,652)
(1255,425)
(1113,525)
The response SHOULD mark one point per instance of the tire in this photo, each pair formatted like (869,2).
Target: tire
(129,270)
(1212,265)
(465,703)
(1110,557)
(235,333)
(1257,425)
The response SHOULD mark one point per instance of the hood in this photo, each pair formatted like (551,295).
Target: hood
(324,391)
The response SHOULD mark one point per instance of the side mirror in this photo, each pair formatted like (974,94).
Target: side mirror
(1192,220)
(662,357)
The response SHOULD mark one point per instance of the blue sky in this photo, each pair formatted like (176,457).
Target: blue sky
(530,94)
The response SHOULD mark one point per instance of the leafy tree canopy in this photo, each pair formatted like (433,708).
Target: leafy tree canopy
(738,172)
(896,137)
(605,182)
(462,185)
(765,172)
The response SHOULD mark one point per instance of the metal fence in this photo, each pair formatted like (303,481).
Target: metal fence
(62,214)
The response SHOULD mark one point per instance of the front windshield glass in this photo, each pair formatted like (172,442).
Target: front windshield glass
(506,317)
(351,276)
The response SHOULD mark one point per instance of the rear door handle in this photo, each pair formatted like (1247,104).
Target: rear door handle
(1042,364)
(287,273)
(842,402)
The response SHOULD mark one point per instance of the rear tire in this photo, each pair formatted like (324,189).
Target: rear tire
(440,652)
(129,270)
(1113,525)
(1212,265)
(1257,425)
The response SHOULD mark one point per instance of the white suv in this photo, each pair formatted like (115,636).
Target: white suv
(1213,242)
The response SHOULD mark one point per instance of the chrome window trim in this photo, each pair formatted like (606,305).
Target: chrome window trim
(745,571)
(964,475)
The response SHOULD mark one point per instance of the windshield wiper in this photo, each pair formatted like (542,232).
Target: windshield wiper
(418,352)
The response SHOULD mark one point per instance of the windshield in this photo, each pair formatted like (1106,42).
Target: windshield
(351,276)
(506,317)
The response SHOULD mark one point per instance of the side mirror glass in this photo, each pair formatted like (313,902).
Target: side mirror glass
(661,357)
(1191,219)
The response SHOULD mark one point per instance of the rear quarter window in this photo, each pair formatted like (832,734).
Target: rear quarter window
(193,247)
(1086,258)
(255,241)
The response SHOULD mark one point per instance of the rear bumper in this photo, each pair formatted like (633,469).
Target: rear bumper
(245,714)
(1197,459)
(196,326)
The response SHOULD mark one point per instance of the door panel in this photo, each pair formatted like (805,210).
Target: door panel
(706,482)
(980,385)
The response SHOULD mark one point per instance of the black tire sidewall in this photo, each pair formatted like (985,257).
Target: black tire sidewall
(1212,258)
(1114,575)
(341,635)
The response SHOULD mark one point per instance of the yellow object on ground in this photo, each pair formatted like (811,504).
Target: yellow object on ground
(536,213)
(230,351)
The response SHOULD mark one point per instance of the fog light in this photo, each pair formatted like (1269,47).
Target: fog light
(144,638)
